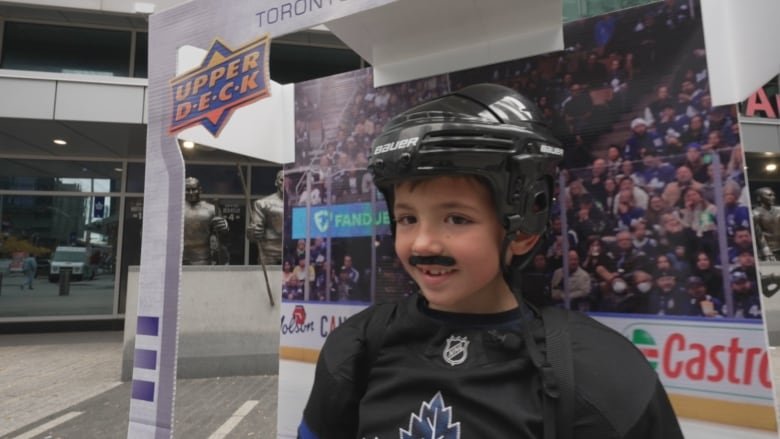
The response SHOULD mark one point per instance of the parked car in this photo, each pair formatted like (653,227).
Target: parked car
(74,258)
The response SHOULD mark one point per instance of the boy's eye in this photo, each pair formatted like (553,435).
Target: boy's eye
(405,220)
(457,220)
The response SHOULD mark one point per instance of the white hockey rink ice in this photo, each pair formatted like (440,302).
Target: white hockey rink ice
(295,380)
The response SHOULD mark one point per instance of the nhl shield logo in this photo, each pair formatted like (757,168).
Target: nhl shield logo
(456,351)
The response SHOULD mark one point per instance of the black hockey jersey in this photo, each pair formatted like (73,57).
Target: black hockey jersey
(452,376)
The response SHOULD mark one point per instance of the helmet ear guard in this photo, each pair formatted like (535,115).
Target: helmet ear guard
(529,194)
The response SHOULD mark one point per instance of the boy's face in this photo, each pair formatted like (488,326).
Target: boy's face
(453,217)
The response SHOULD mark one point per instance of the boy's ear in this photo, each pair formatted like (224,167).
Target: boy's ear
(523,243)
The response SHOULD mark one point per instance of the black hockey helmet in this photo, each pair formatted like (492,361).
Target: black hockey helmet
(484,130)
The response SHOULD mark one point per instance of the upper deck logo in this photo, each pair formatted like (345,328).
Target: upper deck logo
(226,80)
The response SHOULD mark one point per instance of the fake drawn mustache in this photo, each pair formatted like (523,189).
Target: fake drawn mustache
(445,261)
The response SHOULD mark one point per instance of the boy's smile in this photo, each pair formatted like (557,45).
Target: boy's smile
(448,238)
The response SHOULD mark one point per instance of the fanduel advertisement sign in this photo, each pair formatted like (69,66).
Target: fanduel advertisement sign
(339,221)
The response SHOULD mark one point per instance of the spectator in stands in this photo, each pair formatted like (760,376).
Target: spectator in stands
(643,240)
(747,304)
(577,110)
(300,250)
(631,170)
(742,242)
(293,289)
(694,132)
(674,237)
(670,127)
(625,295)
(617,79)
(640,196)
(716,145)
(673,191)
(303,272)
(718,119)
(627,211)
(624,258)
(666,298)
(592,73)
(320,285)
(614,159)
(572,193)
(343,288)
(603,32)
(699,303)
(646,33)
(674,15)
(708,189)
(287,271)
(737,215)
(731,134)
(746,263)
(655,173)
(579,285)
(588,221)
(662,100)
(352,273)
(688,98)
(641,139)
(663,264)
(610,194)
(656,208)
(700,215)
(711,276)
(695,162)
(594,182)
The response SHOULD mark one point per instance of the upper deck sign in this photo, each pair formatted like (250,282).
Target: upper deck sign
(226,80)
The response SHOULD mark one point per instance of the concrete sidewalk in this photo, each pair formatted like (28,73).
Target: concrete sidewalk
(41,374)
(66,385)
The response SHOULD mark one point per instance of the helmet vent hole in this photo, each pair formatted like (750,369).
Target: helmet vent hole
(540,202)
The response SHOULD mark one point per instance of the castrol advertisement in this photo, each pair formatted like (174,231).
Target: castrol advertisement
(722,365)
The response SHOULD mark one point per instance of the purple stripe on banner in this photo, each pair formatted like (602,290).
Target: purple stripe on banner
(145,359)
(143,390)
(148,325)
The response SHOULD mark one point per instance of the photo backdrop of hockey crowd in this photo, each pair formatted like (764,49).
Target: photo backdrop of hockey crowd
(651,215)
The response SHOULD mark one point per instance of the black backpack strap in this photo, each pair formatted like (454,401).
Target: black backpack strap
(373,338)
(559,356)
(556,371)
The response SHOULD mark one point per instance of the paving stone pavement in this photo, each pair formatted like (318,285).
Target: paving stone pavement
(45,377)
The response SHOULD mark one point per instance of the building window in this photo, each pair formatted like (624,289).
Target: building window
(60,175)
(75,233)
(66,49)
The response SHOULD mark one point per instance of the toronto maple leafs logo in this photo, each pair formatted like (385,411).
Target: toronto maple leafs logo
(322,220)
(433,422)
(456,351)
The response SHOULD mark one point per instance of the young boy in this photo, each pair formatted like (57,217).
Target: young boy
(468,179)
